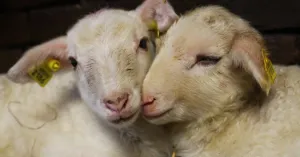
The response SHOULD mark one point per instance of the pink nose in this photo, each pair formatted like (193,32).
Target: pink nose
(116,101)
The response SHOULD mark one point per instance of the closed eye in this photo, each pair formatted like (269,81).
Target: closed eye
(207,60)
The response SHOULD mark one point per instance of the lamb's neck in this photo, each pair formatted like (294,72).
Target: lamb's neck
(142,130)
(190,138)
(148,139)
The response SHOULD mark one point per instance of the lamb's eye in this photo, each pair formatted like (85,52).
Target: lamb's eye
(143,43)
(73,61)
(207,60)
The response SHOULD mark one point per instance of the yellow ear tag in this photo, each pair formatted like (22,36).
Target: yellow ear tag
(268,66)
(164,1)
(173,154)
(152,25)
(44,72)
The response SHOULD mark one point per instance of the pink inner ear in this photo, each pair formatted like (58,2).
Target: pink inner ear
(147,9)
(252,50)
(157,10)
(55,48)
(248,53)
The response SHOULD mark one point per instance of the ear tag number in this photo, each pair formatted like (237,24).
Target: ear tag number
(44,72)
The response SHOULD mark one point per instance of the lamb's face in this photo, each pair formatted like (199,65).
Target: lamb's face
(193,76)
(113,52)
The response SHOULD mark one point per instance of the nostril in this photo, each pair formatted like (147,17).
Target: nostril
(148,100)
(109,102)
(123,101)
(110,105)
(116,102)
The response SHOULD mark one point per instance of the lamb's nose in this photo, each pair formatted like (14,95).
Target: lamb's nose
(116,101)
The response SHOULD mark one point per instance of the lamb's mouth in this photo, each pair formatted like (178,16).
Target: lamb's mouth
(159,115)
(124,120)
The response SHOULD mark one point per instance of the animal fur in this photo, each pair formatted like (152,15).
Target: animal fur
(209,87)
(68,118)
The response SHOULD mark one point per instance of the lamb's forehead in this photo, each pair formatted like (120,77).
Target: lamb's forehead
(202,28)
(107,25)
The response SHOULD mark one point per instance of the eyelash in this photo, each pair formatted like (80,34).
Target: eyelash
(207,60)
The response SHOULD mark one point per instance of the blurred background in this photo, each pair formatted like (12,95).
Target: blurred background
(24,23)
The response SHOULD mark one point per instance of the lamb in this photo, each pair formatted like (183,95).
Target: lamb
(209,88)
(110,52)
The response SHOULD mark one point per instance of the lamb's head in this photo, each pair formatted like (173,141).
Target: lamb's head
(209,60)
(111,51)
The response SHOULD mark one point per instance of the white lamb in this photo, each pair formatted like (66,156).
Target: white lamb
(111,51)
(209,87)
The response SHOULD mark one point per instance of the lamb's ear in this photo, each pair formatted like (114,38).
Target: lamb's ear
(159,10)
(55,49)
(249,51)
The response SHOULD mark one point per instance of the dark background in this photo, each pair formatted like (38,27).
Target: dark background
(24,23)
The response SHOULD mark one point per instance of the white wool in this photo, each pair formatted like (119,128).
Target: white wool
(52,121)
(219,108)
(68,117)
